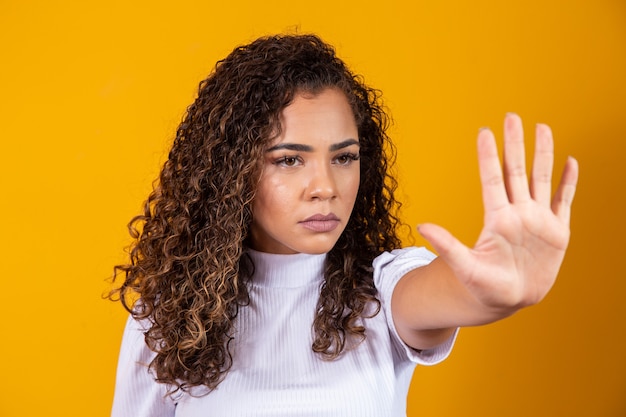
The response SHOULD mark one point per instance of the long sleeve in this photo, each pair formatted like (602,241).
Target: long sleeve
(137,394)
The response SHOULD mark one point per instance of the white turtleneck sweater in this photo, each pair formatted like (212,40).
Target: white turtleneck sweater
(275,372)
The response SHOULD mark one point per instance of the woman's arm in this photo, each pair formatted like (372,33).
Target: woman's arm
(517,256)
(137,393)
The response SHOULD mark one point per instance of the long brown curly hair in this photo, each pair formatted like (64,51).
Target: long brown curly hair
(188,271)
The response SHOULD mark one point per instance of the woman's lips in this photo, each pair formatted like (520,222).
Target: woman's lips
(321,222)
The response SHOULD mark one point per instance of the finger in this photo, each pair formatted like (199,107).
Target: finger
(494,193)
(515,159)
(541,177)
(449,248)
(564,196)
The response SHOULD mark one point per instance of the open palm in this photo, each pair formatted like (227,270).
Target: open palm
(517,256)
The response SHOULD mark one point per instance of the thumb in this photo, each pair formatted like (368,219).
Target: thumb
(449,248)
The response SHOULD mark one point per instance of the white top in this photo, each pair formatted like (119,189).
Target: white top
(275,372)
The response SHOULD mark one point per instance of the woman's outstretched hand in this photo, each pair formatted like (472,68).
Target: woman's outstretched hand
(517,256)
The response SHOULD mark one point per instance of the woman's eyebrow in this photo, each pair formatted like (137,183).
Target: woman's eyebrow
(291,147)
(307,148)
(343,144)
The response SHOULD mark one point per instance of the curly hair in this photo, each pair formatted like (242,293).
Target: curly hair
(187,272)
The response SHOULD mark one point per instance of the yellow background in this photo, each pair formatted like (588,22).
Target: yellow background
(91,93)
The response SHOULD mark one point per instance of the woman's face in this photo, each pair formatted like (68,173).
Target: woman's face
(310,177)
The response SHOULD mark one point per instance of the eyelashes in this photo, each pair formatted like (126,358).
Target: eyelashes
(289,161)
(347,158)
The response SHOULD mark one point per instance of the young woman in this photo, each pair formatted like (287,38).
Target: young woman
(266,276)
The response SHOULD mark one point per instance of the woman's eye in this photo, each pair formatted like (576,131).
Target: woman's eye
(346,158)
(287,161)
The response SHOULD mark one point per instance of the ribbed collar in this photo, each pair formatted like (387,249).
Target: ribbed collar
(286,271)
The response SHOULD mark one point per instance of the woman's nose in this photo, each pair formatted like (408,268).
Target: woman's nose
(322,185)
